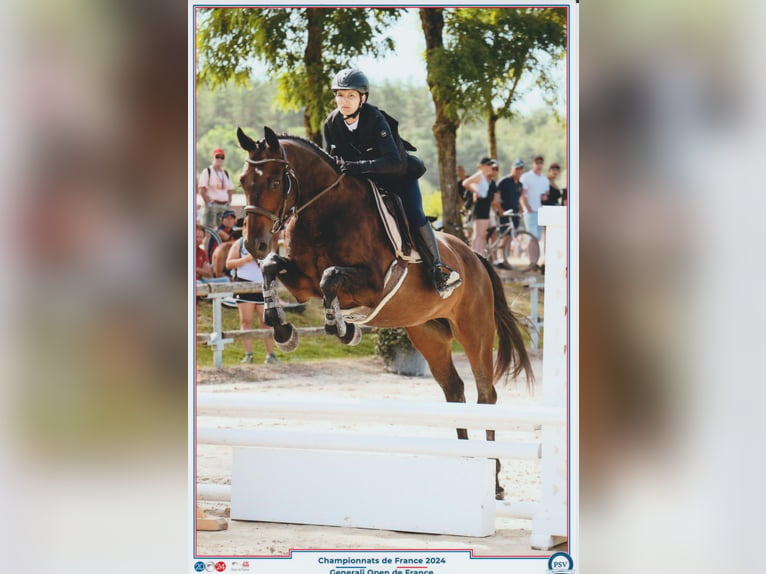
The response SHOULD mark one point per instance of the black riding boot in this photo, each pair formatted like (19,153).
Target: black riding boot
(445,280)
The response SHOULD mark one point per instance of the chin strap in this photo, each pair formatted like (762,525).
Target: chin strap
(352,116)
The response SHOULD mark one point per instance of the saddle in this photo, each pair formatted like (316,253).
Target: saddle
(395,223)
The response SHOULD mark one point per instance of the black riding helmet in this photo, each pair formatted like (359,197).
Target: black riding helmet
(352,79)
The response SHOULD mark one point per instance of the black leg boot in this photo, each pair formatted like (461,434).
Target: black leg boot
(445,280)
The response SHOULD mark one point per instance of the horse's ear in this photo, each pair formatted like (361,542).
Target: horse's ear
(271,138)
(245,142)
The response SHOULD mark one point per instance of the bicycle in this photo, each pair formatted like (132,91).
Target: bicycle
(511,247)
(212,239)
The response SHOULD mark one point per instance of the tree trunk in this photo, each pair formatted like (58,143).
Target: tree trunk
(312,60)
(492,134)
(444,128)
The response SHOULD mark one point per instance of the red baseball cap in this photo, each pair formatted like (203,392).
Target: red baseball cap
(219,151)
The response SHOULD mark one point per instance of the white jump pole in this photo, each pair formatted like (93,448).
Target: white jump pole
(549,524)
(417,413)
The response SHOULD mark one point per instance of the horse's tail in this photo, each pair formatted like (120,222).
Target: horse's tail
(511,348)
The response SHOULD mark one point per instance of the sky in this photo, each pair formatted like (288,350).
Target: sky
(407,64)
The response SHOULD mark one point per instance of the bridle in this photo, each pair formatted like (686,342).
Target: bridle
(288,177)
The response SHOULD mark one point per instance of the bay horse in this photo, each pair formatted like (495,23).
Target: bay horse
(337,250)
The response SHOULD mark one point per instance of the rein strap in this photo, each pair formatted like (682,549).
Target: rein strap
(279,221)
(318,195)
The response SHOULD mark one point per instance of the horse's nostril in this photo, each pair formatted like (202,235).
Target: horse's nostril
(262,247)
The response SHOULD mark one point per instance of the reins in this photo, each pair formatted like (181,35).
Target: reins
(289,175)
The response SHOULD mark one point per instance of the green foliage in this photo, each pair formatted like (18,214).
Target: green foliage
(302,49)
(539,132)
(505,45)
(220,112)
(466,72)
(432,203)
(387,339)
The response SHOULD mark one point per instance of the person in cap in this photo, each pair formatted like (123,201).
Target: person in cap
(553,197)
(534,186)
(482,185)
(509,193)
(215,188)
(228,219)
(365,142)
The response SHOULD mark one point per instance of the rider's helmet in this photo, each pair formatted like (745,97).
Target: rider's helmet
(351,79)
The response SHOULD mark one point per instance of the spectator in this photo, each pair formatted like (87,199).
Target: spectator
(228,219)
(465,201)
(553,197)
(479,184)
(509,193)
(247,269)
(221,252)
(203,269)
(534,185)
(215,188)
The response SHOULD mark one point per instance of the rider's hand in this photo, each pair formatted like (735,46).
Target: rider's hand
(351,167)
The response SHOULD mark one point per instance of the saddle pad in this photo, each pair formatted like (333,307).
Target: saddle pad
(392,229)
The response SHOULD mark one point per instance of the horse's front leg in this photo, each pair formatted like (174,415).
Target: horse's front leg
(333,279)
(285,335)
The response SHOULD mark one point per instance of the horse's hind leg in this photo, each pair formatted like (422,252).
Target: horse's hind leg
(333,279)
(434,341)
(478,340)
(285,335)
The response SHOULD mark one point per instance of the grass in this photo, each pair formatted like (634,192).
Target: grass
(317,347)
(310,348)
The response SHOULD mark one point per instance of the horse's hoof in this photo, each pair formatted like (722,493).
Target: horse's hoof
(499,493)
(353,335)
(338,329)
(290,343)
(274,317)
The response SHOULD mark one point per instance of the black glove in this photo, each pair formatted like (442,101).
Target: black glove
(351,167)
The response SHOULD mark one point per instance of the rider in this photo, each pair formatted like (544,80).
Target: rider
(360,136)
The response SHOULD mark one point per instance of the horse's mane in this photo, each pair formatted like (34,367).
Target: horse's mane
(323,155)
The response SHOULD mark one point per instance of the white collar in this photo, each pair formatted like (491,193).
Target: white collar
(351,127)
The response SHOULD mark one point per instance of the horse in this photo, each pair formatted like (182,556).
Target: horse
(338,250)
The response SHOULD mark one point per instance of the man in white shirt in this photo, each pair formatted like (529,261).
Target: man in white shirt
(535,184)
(215,188)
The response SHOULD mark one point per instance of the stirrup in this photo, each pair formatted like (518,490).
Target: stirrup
(445,280)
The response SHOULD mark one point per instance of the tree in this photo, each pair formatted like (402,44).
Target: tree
(302,49)
(508,45)
(441,65)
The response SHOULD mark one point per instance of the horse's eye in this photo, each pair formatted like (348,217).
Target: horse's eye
(275,183)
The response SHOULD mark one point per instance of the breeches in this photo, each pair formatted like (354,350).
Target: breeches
(409,192)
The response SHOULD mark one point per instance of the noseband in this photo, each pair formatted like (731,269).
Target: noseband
(288,176)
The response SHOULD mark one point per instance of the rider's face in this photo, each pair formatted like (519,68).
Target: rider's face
(348,101)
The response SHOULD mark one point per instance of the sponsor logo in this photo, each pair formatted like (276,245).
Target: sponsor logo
(560,563)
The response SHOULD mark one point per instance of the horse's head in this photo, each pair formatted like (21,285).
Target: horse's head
(267,184)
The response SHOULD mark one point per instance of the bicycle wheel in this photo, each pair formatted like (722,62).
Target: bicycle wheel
(212,240)
(492,245)
(523,251)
